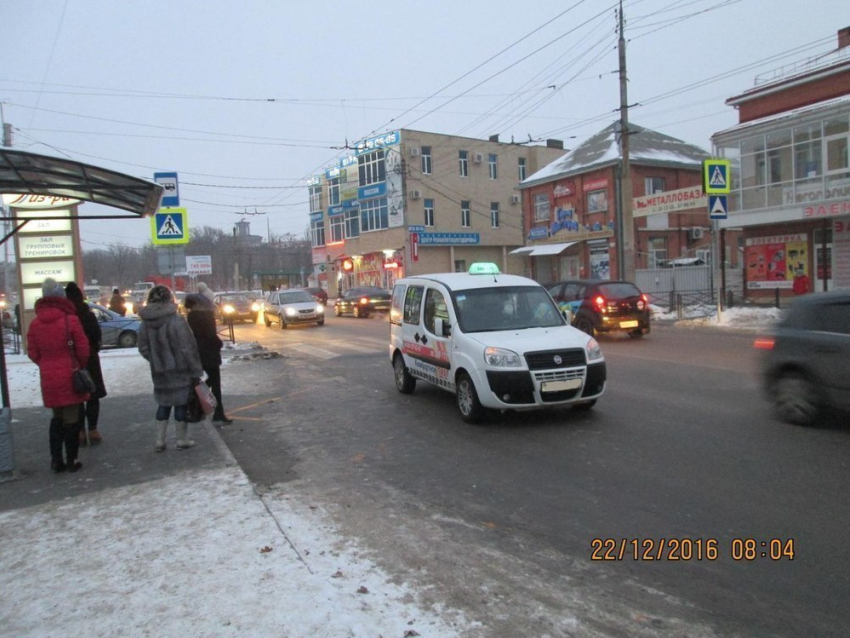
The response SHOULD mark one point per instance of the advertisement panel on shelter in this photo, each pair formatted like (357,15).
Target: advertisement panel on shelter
(773,262)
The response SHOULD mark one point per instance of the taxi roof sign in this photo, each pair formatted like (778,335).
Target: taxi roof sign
(483,268)
(716,176)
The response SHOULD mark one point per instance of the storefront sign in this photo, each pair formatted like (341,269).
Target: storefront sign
(841,254)
(36,273)
(38,201)
(832,209)
(563,190)
(595,184)
(669,201)
(449,239)
(42,226)
(538,232)
(45,246)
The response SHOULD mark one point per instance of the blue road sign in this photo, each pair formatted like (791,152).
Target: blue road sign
(718,207)
(170,189)
(169,226)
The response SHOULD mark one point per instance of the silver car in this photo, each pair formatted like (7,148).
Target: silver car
(289,307)
(117,331)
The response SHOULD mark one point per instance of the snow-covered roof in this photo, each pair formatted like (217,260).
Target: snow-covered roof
(646,147)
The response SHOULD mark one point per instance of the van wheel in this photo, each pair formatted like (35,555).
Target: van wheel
(404,382)
(467,399)
(585,325)
(320,322)
(283,324)
(636,334)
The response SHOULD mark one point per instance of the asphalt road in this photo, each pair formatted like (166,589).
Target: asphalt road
(503,518)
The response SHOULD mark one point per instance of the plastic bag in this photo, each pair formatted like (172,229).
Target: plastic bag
(205,397)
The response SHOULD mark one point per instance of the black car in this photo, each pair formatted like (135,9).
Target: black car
(319,295)
(805,367)
(363,301)
(596,306)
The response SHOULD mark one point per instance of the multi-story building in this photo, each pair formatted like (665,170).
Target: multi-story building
(790,159)
(410,202)
(570,206)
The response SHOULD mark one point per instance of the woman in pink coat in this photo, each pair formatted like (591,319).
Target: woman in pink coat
(56,324)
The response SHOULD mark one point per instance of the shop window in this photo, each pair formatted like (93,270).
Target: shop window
(653,185)
(541,208)
(597,201)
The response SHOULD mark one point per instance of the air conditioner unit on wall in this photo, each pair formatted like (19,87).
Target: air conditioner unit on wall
(414,151)
(478,158)
(695,233)
(514,199)
(416,194)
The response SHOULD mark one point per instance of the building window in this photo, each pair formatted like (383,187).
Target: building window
(494,214)
(374,215)
(317,232)
(541,208)
(657,251)
(333,191)
(352,222)
(494,169)
(460,265)
(372,167)
(337,228)
(597,201)
(426,160)
(463,161)
(653,185)
(521,168)
(429,212)
(316,198)
(464,213)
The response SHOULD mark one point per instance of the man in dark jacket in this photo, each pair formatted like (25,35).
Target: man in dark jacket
(201,318)
(117,304)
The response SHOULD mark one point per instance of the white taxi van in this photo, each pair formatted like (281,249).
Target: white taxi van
(496,341)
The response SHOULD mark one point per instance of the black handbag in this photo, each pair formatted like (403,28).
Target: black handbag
(80,377)
(194,411)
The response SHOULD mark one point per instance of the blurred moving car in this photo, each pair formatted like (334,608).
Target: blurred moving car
(362,301)
(288,307)
(319,294)
(257,302)
(234,306)
(118,331)
(805,367)
(598,305)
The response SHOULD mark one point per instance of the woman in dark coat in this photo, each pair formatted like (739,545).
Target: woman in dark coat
(91,409)
(48,337)
(168,344)
(201,318)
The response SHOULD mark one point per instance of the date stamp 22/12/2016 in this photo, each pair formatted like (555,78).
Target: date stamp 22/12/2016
(691,549)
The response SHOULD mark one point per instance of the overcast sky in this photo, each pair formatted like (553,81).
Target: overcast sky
(246,99)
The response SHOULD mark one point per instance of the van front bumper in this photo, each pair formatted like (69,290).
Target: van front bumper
(518,388)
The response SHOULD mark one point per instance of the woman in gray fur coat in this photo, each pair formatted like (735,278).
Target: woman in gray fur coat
(168,344)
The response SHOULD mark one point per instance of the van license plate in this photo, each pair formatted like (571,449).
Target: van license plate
(560,386)
(628,324)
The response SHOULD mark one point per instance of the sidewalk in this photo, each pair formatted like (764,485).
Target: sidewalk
(177,543)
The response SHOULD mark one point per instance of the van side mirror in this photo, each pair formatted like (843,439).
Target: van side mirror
(442,327)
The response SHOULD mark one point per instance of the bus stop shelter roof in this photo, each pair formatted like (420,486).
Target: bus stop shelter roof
(30,174)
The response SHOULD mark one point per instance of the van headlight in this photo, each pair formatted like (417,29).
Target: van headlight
(501,358)
(594,352)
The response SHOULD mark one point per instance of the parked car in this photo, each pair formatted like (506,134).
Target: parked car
(319,295)
(288,307)
(362,301)
(117,331)
(805,367)
(597,305)
(233,306)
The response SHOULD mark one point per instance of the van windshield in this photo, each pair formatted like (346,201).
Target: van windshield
(506,308)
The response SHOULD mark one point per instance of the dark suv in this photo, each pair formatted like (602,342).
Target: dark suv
(596,306)
(805,365)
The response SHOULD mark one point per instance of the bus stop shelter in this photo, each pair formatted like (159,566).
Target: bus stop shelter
(23,173)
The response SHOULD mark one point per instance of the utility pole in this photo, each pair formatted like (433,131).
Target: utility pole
(625,219)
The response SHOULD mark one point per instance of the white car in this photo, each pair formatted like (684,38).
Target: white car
(495,341)
(289,307)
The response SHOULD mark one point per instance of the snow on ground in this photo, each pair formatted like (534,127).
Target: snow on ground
(741,318)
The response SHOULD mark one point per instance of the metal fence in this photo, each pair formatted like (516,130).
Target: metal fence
(674,287)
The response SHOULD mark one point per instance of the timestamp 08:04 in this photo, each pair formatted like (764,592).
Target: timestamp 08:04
(690,549)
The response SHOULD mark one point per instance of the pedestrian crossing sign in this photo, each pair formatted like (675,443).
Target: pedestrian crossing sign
(717,176)
(170,226)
